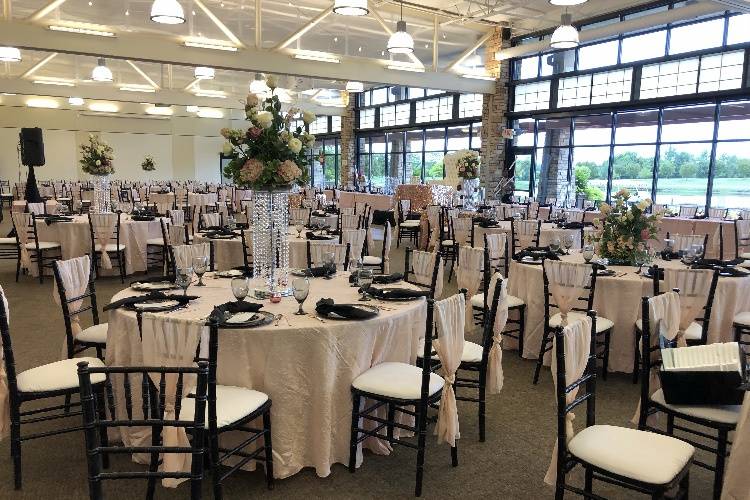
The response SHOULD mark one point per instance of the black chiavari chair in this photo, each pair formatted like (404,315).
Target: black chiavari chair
(408,271)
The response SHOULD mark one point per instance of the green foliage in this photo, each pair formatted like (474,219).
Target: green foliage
(583,174)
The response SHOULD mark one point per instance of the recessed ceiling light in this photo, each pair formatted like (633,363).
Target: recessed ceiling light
(10,54)
(137,88)
(355,87)
(80,31)
(104,107)
(167,12)
(351,7)
(62,82)
(159,110)
(204,73)
(101,73)
(210,113)
(75,101)
(42,103)
(210,45)
(314,55)
(192,109)
(567,2)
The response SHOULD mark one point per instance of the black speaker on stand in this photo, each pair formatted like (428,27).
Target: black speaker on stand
(32,155)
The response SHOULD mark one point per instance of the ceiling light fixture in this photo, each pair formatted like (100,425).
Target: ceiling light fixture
(204,73)
(101,73)
(351,7)
(192,109)
(10,54)
(258,86)
(137,88)
(565,36)
(159,110)
(478,76)
(406,67)
(167,12)
(104,107)
(210,45)
(314,55)
(61,82)
(42,103)
(210,93)
(567,3)
(75,101)
(81,31)
(400,41)
(355,87)
(210,113)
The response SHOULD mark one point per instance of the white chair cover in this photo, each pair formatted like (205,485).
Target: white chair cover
(318,250)
(433,217)
(736,479)
(688,210)
(577,340)
(525,231)
(575,215)
(356,240)
(171,342)
(743,233)
(177,216)
(183,254)
(685,241)
(495,378)
(103,225)
(469,275)
(387,242)
(163,207)
(74,274)
(4,390)
(211,220)
(423,265)
(694,286)
(716,213)
(22,222)
(349,221)
(496,244)
(449,345)
(347,211)
(299,215)
(36,208)
(461,230)
(745,214)
(567,282)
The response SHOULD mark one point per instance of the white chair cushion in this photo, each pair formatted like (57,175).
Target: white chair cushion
(694,331)
(447,243)
(477,301)
(109,247)
(232,404)
(415,223)
(8,241)
(640,455)
(155,241)
(726,414)
(602,323)
(95,333)
(745,255)
(472,352)
(396,380)
(43,245)
(742,318)
(745,264)
(370,260)
(514,301)
(56,376)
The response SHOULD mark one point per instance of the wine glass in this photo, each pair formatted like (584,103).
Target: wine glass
(200,265)
(364,280)
(301,288)
(240,288)
(328,262)
(588,253)
(698,250)
(183,278)
(554,245)
(299,227)
(568,242)
(688,255)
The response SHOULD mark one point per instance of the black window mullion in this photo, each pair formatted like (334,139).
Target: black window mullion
(712,160)
(657,155)
(611,169)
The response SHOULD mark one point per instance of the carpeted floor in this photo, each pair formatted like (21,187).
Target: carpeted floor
(510,464)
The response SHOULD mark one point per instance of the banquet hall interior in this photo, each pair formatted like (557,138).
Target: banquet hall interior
(374,248)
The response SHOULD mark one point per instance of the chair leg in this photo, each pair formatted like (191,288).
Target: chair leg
(40,266)
(589,481)
(605,360)
(454,455)
(354,433)
(15,445)
(482,407)
(391,419)
(540,359)
(213,452)
(18,266)
(685,486)
(721,457)
(421,443)
(268,449)
(103,437)
(521,328)
(121,259)
(636,356)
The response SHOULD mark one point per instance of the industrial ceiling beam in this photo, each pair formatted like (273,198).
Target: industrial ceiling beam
(304,29)
(38,65)
(219,24)
(143,74)
(44,11)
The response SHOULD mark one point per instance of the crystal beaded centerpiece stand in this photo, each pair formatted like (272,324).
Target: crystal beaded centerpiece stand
(101,202)
(470,187)
(270,240)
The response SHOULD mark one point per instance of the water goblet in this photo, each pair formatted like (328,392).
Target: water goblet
(698,250)
(240,288)
(200,265)
(183,278)
(299,227)
(364,280)
(328,263)
(554,244)
(588,253)
(567,242)
(301,288)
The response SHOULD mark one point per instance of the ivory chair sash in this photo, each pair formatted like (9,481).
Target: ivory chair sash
(318,251)
(172,342)
(694,286)
(736,479)
(526,232)
(183,254)
(36,208)
(103,225)
(177,216)
(495,378)
(75,274)
(461,229)
(450,316)
(567,282)
(23,222)
(4,390)
(356,240)
(577,339)
(423,265)
(685,241)
(211,219)
(469,274)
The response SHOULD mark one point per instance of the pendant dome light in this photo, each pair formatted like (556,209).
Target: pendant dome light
(400,41)
(204,73)
(167,12)
(565,36)
(10,54)
(101,73)
(351,7)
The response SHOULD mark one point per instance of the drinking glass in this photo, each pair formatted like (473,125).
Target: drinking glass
(200,265)
(568,242)
(364,280)
(669,245)
(689,256)
(240,288)
(698,250)
(301,288)
(299,227)
(183,278)
(554,245)
(328,262)
(588,253)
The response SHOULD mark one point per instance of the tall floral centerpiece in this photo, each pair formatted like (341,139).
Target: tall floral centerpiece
(269,157)
(623,232)
(467,165)
(96,160)
(148,164)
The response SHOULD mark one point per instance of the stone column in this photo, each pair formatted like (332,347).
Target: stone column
(494,120)
(348,158)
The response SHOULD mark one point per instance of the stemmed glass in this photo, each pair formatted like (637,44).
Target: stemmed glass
(364,280)
(183,278)
(200,265)
(299,227)
(554,245)
(698,250)
(588,253)
(567,242)
(240,288)
(301,288)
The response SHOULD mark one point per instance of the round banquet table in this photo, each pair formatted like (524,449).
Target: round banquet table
(618,298)
(228,252)
(75,238)
(548,232)
(306,366)
(331,221)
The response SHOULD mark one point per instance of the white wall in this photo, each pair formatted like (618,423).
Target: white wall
(182,147)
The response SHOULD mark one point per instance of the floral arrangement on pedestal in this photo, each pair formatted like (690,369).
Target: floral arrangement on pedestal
(467,163)
(269,154)
(623,232)
(148,164)
(97,157)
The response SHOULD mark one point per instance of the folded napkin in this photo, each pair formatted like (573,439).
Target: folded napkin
(326,307)
(218,233)
(485,222)
(536,253)
(733,272)
(315,237)
(711,263)
(128,301)
(669,255)
(212,228)
(319,213)
(319,272)
(221,311)
(380,279)
(570,225)
(396,293)
(660,272)
(332,210)
(153,279)
(242,225)
(52,219)
(142,218)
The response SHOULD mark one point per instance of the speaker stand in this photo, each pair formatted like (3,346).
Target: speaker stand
(32,191)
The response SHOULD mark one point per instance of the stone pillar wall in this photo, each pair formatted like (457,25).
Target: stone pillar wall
(348,158)
(494,120)
(553,182)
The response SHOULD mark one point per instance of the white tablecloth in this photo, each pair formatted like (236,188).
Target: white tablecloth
(306,366)
(712,227)
(201,200)
(347,199)
(619,299)
(547,234)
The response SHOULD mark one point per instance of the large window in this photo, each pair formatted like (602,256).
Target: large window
(325,162)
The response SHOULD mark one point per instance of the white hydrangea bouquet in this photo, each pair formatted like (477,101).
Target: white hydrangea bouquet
(97,157)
